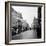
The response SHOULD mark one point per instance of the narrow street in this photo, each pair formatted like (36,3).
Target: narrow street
(29,34)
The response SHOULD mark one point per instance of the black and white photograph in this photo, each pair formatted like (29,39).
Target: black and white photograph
(25,22)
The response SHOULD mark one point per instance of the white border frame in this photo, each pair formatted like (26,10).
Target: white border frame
(28,40)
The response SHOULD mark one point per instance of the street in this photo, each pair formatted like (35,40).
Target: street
(29,34)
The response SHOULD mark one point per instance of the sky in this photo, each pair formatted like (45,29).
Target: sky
(28,13)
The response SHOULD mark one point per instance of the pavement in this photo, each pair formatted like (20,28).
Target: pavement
(29,34)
